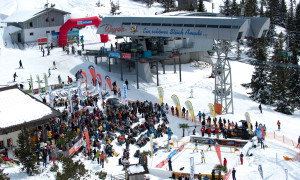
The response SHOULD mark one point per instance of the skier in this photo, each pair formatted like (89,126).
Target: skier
(126,82)
(217,132)
(82,47)
(225,162)
(196,144)
(102,158)
(15,75)
(172,110)
(260,108)
(278,124)
(177,112)
(170,164)
(202,156)
(262,146)
(21,65)
(209,144)
(43,50)
(183,112)
(203,130)
(199,114)
(241,157)
(298,142)
(49,73)
(59,79)
(233,174)
(54,65)
(119,93)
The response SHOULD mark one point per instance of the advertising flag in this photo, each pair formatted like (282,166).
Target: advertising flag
(107,78)
(50,97)
(190,108)
(87,138)
(260,171)
(176,102)
(248,120)
(46,80)
(217,147)
(39,82)
(160,95)
(125,94)
(31,83)
(263,132)
(84,76)
(99,91)
(212,109)
(192,168)
(151,145)
(79,89)
(70,99)
(99,79)
(92,71)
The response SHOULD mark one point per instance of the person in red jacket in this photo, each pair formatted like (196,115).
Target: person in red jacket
(241,157)
(177,112)
(203,130)
(172,110)
(209,131)
(217,132)
(225,162)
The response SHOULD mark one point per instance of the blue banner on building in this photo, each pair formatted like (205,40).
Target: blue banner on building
(85,22)
(114,54)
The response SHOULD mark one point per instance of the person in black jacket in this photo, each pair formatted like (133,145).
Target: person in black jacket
(170,165)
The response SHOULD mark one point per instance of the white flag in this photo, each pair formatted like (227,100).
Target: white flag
(79,89)
(192,168)
(99,91)
(50,96)
(70,100)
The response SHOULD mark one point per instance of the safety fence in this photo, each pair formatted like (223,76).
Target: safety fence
(281,138)
(204,147)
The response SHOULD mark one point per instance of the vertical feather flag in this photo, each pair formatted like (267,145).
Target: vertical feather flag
(31,82)
(176,102)
(217,147)
(125,94)
(39,82)
(46,80)
(99,79)
(87,138)
(107,78)
(190,108)
(248,121)
(92,71)
(50,97)
(79,89)
(84,76)
(212,109)
(70,99)
(99,91)
(160,95)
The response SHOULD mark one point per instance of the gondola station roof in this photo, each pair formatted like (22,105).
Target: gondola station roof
(196,27)
(17,107)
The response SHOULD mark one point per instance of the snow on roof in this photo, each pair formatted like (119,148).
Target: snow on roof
(135,169)
(16,108)
(21,16)
(12,29)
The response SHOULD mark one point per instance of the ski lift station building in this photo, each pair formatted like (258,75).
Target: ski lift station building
(189,34)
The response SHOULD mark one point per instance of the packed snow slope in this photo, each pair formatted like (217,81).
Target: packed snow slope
(195,78)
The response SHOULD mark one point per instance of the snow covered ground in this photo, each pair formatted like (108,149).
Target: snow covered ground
(195,78)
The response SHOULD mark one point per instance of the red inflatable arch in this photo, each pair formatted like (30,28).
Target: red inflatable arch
(63,31)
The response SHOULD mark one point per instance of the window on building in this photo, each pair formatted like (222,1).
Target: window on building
(177,25)
(1,145)
(47,32)
(200,25)
(212,26)
(52,19)
(156,24)
(225,26)
(136,24)
(235,27)
(264,33)
(9,142)
(239,35)
(166,24)
(146,24)
(30,24)
(126,23)
(31,34)
(53,31)
(188,25)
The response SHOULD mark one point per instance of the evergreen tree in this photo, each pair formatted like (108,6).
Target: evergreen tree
(280,84)
(3,176)
(201,7)
(259,82)
(149,3)
(261,11)
(71,169)
(295,80)
(251,8)
(297,25)
(235,11)
(191,7)
(168,5)
(283,14)
(226,9)
(26,151)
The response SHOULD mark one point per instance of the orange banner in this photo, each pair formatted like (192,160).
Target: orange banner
(217,147)
(87,138)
